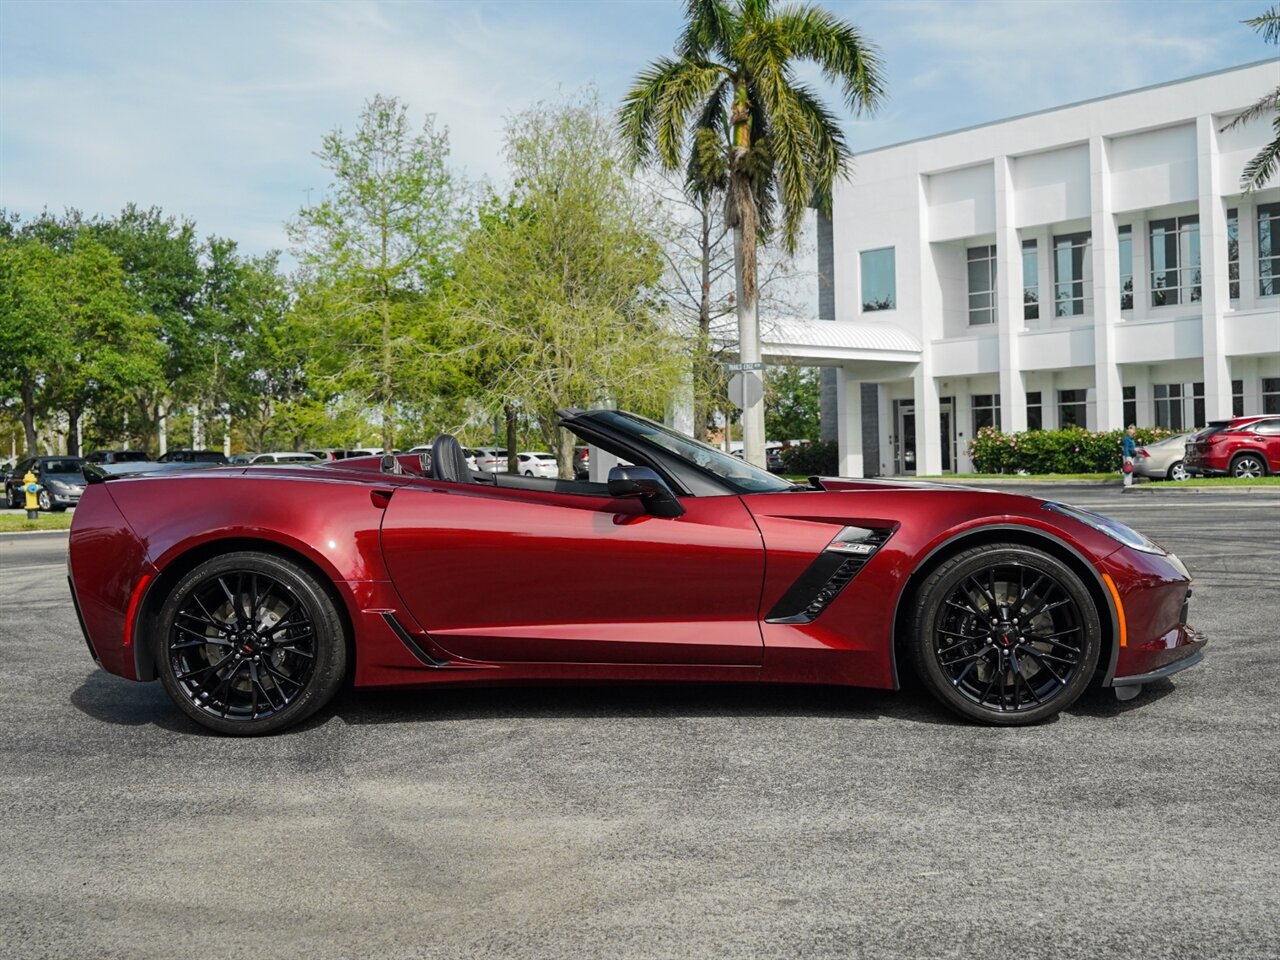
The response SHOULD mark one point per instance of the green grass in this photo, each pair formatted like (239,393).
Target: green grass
(16,522)
(1019,476)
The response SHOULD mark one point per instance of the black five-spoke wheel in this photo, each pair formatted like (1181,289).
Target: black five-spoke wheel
(251,643)
(1006,634)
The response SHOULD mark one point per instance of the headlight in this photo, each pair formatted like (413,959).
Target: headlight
(1112,528)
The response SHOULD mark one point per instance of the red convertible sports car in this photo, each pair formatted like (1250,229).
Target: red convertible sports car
(253,592)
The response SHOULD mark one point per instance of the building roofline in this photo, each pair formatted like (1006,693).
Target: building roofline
(1068,106)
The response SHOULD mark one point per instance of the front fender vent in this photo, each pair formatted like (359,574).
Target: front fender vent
(831,571)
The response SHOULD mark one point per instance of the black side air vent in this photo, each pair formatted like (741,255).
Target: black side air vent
(831,571)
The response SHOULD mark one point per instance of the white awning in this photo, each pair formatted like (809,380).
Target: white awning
(827,340)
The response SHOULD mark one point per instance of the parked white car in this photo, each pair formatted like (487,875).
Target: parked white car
(490,459)
(284,456)
(538,465)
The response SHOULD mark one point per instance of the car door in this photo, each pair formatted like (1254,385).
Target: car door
(527,575)
(1268,433)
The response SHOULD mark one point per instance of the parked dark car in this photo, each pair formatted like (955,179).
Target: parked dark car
(1243,447)
(117,456)
(60,477)
(192,456)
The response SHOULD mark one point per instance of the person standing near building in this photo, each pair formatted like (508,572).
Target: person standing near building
(1128,448)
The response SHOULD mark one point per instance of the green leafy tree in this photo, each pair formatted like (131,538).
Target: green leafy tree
(1262,167)
(33,339)
(792,403)
(374,252)
(554,290)
(728,109)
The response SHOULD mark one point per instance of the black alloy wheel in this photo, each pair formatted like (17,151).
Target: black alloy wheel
(1248,466)
(251,643)
(11,497)
(1006,634)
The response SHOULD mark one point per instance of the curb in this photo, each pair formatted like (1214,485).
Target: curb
(30,533)
(1170,487)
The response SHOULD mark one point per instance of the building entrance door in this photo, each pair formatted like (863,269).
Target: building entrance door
(904,444)
(948,433)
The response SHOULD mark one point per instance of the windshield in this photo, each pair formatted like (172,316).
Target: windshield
(742,476)
(60,466)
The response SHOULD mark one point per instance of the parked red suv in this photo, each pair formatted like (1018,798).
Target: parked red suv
(1243,447)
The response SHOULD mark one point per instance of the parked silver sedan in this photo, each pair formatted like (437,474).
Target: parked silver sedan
(1162,460)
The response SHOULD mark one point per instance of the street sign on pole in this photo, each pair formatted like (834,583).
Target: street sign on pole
(745,389)
(740,367)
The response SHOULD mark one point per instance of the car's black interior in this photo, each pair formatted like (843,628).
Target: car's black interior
(448,462)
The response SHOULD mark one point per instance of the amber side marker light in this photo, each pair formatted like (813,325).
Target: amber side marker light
(1115,595)
(131,613)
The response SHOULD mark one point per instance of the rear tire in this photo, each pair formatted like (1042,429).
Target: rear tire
(11,498)
(1248,466)
(1005,634)
(250,643)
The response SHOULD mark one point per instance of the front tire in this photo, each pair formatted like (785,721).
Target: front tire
(1005,634)
(43,500)
(250,643)
(1179,471)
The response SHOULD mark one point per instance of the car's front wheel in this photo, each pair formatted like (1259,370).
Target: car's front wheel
(1005,634)
(250,643)
(1248,465)
(1179,472)
(44,500)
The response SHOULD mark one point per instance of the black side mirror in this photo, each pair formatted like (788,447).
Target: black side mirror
(648,486)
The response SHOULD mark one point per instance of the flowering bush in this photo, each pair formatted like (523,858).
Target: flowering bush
(1073,450)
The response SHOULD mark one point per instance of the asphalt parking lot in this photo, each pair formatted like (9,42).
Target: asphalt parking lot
(655,821)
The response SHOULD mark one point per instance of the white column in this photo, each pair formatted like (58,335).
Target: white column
(1146,411)
(1106,290)
(1009,314)
(1044,261)
(849,423)
(1141,268)
(928,432)
(1214,294)
(1247,211)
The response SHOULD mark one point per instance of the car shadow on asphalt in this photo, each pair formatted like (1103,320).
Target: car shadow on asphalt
(636,701)
(121,702)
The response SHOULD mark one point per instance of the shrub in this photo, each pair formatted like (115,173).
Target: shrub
(1073,450)
(815,460)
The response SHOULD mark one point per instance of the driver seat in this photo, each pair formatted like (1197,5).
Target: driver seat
(448,461)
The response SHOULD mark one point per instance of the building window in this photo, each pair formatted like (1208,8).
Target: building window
(1233,254)
(1168,397)
(1175,261)
(1130,395)
(1071,408)
(986,411)
(1269,250)
(1035,411)
(1126,269)
(1237,398)
(1197,405)
(982,285)
(1070,289)
(878,280)
(1271,394)
(1030,281)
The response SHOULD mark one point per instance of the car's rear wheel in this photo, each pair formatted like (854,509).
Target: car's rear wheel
(1248,465)
(250,643)
(1005,634)
(1178,471)
(11,498)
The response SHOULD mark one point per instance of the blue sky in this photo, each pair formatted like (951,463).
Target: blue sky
(213,110)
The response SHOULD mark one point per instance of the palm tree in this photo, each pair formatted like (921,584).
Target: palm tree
(728,108)
(1262,167)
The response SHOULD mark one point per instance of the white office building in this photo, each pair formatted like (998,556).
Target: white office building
(1096,264)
